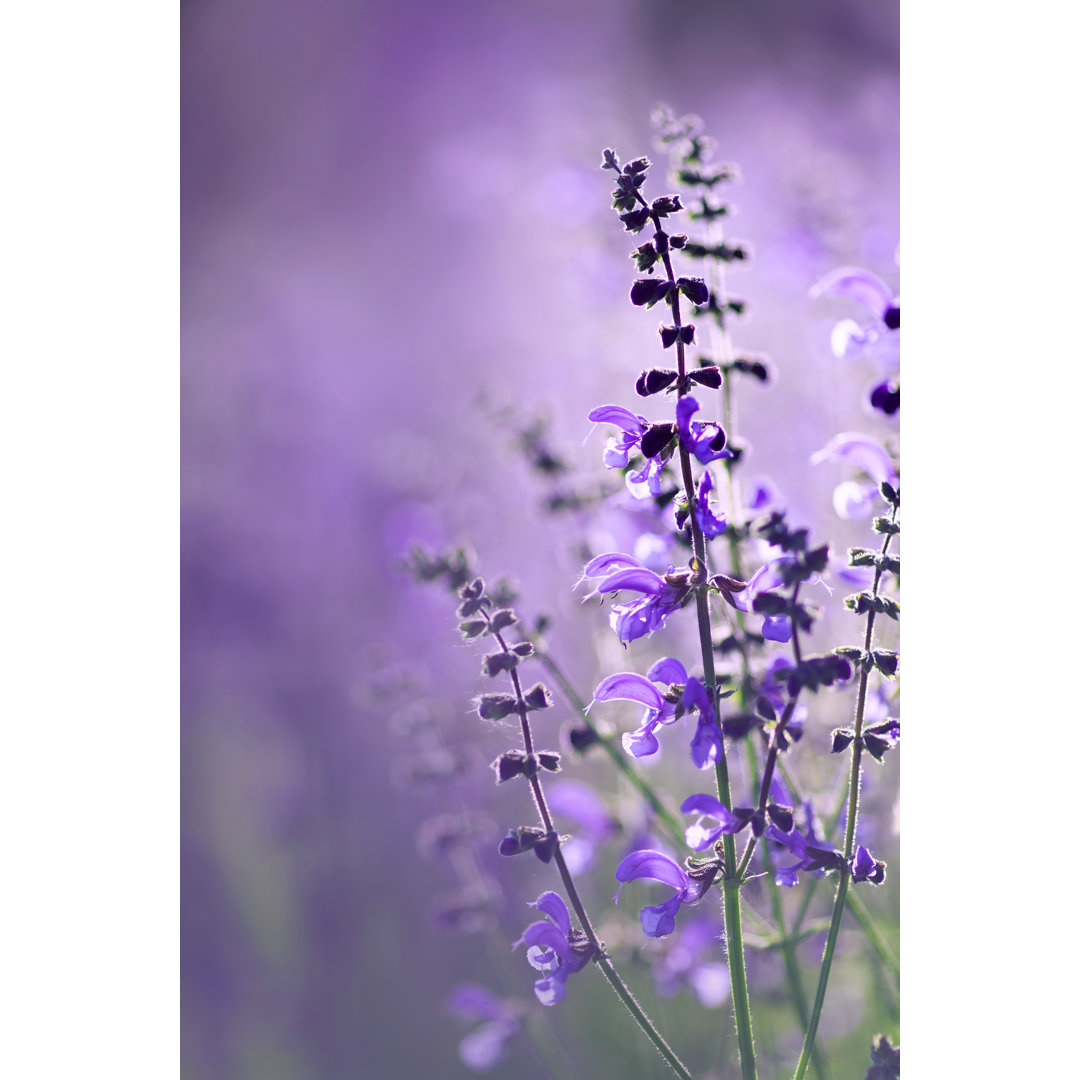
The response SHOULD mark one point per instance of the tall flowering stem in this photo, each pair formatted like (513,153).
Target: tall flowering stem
(598,953)
(875,603)
(681,335)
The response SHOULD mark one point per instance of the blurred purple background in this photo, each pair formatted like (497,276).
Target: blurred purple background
(393,223)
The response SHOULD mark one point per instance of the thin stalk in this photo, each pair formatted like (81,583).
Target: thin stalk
(731,885)
(849,833)
(603,961)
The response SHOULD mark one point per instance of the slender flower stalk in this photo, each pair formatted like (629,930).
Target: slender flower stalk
(599,954)
(853,807)
(731,883)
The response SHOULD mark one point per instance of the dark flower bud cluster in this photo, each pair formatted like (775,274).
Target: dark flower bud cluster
(885,1060)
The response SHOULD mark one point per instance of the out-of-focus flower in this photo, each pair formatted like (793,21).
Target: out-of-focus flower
(554,948)
(854,498)
(578,801)
(807,849)
(660,596)
(849,338)
(659,919)
(483,1048)
(683,963)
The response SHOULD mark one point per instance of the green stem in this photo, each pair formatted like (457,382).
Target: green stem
(732,914)
(849,833)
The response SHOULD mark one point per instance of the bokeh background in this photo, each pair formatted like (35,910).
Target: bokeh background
(396,236)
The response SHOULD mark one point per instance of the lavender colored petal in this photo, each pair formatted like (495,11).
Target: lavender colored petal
(705,745)
(604,564)
(551,990)
(685,408)
(788,875)
(554,907)
(620,417)
(853,501)
(848,339)
(636,578)
(860,451)
(776,628)
(695,696)
(851,281)
(627,686)
(651,864)
(668,670)
(641,743)
(544,936)
(658,920)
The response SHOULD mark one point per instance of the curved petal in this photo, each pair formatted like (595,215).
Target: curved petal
(685,408)
(853,501)
(695,696)
(626,686)
(861,451)
(544,935)
(620,417)
(848,339)
(868,289)
(699,836)
(550,991)
(636,578)
(641,743)
(606,563)
(776,628)
(705,804)
(787,875)
(668,670)
(705,745)
(659,919)
(654,865)
(554,907)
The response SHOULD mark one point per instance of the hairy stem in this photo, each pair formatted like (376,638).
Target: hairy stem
(731,884)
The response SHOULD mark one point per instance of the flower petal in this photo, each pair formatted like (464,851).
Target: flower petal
(554,907)
(552,990)
(659,919)
(860,451)
(641,743)
(868,289)
(668,670)
(636,578)
(626,686)
(620,417)
(654,865)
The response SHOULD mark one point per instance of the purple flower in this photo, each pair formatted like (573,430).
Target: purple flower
(554,948)
(848,337)
(627,686)
(864,867)
(483,1048)
(704,441)
(775,627)
(710,810)
(707,743)
(855,499)
(660,596)
(578,801)
(710,525)
(659,919)
(807,849)
(646,480)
